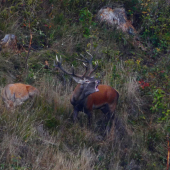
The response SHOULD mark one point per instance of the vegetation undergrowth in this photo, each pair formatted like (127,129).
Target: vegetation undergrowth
(41,135)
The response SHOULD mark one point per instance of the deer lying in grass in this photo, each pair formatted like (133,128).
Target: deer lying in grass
(89,95)
(15,94)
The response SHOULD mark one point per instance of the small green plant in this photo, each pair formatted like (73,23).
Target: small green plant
(156,23)
(114,75)
(160,105)
(166,115)
(52,123)
(85,18)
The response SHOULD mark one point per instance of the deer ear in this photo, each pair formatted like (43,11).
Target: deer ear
(78,80)
(28,87)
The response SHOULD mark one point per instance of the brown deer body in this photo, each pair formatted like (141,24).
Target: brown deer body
(89,95)
(105,99)
(15,94)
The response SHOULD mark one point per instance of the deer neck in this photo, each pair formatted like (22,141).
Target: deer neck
(78,94)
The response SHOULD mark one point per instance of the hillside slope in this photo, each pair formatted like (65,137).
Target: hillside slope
(42,135)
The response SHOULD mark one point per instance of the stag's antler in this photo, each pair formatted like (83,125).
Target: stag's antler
(93,69)
(89,61)
(89,66)
(59,66)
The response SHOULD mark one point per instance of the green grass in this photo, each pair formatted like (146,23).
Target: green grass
(43,136)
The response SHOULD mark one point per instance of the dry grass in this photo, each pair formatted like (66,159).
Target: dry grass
(28,144)
(46,155)
(83,160)
(44,137)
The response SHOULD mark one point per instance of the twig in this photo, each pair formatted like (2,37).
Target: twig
(26,62)
(168,152)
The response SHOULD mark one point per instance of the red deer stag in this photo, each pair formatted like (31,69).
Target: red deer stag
(88,94)
(15,94)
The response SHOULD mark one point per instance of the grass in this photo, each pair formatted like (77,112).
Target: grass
(42,135)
